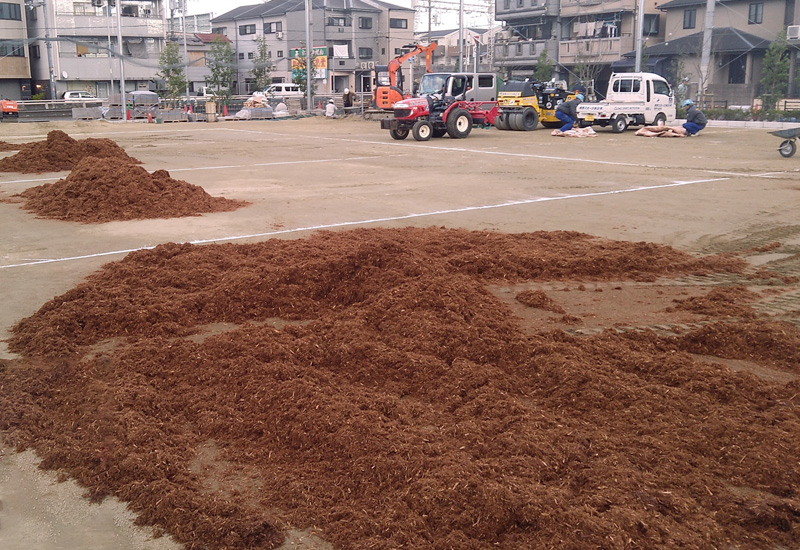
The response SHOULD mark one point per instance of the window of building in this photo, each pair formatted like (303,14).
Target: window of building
(280,53)
(650,24)
(365,22)
(737,69)
(756,14)
(520,3)
(247,29)
(220,30)
(518,49)
(272,28)
(365,53)
(12,48)
(398,51)
(506,4)
(34,49)
(689,18)
(250,55)
(10,11)
(241,55)
(398,23)
(339,21)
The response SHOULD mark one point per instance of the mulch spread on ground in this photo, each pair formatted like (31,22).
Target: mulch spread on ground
(100,190)
(59,152)
(6,146)
(367,383)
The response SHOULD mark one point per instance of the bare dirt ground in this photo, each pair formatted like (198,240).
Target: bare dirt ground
(507,341)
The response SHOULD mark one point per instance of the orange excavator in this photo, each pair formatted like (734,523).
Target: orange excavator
(389,78)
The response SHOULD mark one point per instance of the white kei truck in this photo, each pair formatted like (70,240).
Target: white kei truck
(632,99)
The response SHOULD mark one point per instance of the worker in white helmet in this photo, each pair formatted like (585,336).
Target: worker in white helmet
(330,109)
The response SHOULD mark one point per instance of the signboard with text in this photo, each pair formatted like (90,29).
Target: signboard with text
(319,57)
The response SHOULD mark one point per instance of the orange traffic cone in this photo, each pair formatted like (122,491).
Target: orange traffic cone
(224,110)
(319,105)
(149,117)
(128,114)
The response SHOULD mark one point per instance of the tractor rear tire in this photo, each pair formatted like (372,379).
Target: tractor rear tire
(459,123)
(528,119)
(422,130)
(399,133)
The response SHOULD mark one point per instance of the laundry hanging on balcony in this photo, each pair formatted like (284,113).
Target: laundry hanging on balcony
(136,47)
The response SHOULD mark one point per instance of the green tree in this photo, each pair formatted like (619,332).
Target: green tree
(262,64)
(544,68)
(221,67)
(171,65)
(775,72)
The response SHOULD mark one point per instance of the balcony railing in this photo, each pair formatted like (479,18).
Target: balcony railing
(571,8)
(591,50)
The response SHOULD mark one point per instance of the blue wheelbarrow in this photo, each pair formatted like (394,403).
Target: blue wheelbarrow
(788,147)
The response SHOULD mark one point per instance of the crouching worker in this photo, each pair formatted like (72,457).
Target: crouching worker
(330,109)
(567,112)
(695,119)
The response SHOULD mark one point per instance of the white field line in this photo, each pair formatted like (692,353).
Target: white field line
(373,220)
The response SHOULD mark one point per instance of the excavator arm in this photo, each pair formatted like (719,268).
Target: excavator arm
(396,63)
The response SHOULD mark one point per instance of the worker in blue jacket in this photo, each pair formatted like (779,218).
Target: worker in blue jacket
(567,112)
(695,118)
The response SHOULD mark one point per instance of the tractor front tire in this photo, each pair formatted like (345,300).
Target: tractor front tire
(399,133)
(422,130)
(528,119)
(459,123)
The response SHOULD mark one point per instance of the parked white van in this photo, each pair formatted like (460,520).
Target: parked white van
(283,89)
(632,99)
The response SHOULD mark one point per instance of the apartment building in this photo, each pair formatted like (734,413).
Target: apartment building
(530,27)
(15,72)
(86,54)
(355,34)
(742,32)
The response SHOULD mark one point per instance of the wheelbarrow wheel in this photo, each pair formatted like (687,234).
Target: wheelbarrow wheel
(788,148)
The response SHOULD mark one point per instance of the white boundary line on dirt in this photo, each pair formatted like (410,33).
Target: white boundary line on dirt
(374,220)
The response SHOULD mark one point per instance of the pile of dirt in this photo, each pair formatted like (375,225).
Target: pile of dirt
(367,383)
(59,152)
(6,146)
(539,300)
(100,190)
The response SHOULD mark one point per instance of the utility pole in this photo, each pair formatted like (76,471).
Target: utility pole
(460,35)
(124,100)
(309,68)
(185,51)
(705,57)
(48,43)
(640,36)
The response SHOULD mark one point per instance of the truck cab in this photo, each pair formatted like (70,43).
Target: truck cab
(631,99)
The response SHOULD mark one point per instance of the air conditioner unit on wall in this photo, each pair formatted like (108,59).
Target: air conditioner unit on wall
(793,32)
(279,35)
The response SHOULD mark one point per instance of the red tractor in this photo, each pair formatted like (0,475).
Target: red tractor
(435,116)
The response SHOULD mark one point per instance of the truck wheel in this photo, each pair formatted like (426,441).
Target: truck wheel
(660,119)
(399,133)
(422,130)
(619,124)
(459,123)
(788,148)
(529,119)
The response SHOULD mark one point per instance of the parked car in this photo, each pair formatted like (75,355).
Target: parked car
(283,90)
(77,95)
